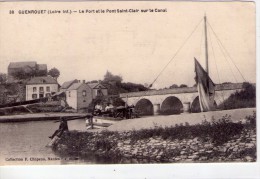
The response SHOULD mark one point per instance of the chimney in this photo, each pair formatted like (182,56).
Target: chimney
(84,81)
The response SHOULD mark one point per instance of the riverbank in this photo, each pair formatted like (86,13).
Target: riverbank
(172,120)
(220,140)
(37,117)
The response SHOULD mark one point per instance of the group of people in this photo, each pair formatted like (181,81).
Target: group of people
(99,108)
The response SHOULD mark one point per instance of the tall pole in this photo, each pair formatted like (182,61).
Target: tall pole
(206,44)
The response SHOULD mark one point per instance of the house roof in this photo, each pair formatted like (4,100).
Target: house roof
(42,80)
(67,84)
(42,67)
(95,85)
(75,86)
(22,64)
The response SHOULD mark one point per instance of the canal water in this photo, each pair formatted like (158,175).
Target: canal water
(24,143)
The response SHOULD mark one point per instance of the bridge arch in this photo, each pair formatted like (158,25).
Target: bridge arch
(171,105)
(195,105)
(144,107)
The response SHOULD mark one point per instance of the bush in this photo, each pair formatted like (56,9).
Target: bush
(243,99)
(223,129)
(103,144)
(251,121)
(217,131)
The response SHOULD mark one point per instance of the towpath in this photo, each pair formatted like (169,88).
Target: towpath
(193,118)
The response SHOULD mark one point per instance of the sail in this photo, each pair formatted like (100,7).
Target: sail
(206,88)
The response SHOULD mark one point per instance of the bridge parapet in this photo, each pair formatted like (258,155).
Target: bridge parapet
(218,87)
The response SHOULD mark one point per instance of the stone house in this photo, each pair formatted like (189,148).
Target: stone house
(28,68)
(80,95)
(39,87)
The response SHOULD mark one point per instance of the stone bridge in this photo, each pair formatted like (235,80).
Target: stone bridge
(177,100)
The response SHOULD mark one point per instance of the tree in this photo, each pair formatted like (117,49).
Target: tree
(183,86)
(173,86)
(3,78)
(109,77)
(21,74)
(54,72)
(132,87)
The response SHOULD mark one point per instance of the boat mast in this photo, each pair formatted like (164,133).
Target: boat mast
(206,44)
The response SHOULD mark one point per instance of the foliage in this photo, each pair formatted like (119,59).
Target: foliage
(3,78)
(217,131)
(103,144)
(45,107)
(174,86)
(23,74)
(132,87)
(109,77)
(251,121)
(223,129)
(117,101)
(54,72)
(183,86)
(241,99)
(115,85)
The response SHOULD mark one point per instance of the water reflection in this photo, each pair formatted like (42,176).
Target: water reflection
(28,140)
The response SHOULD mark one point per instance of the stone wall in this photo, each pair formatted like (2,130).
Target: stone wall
(117,148)
(239,149)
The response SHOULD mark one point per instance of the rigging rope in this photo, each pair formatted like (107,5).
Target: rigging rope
(172,57)
(223,100)
(175,53)
(226,51)
(229,65)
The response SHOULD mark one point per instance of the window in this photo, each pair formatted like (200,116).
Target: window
(34,89)
(84,93)
(48,89)
(69,93)
(48,94)
(34,96)
(41,96)
(41,90)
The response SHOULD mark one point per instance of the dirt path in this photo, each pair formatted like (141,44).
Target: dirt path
(194,118)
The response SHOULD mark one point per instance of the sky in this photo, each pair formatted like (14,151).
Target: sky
(136,46)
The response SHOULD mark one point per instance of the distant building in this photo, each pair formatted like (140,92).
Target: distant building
(98,89)
(29,68)
(39,87)
(80,95)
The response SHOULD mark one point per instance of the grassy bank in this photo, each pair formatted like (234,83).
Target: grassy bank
(211,141)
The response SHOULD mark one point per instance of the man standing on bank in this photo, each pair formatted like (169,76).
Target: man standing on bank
(63,127)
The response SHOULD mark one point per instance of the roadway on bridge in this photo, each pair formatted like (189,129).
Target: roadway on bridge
(171,120)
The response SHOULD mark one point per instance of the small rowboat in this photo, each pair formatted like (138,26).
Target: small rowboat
(101,122)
